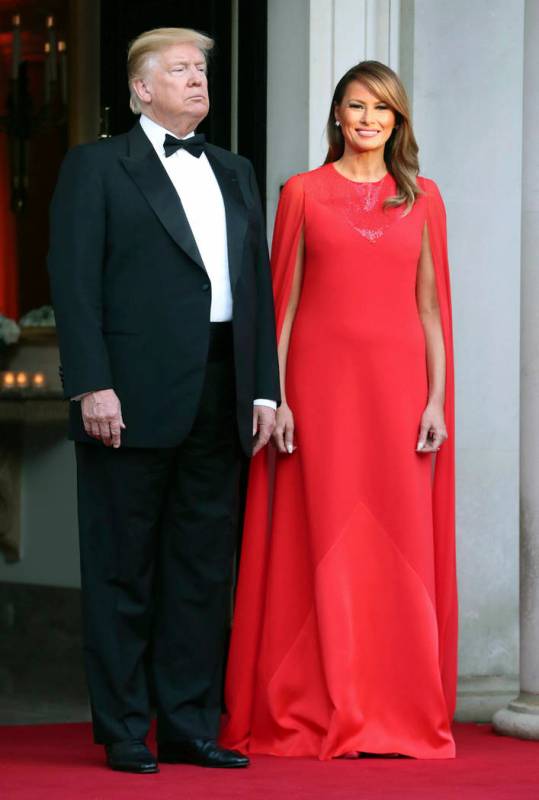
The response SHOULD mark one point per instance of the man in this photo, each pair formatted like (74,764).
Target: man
(161,287)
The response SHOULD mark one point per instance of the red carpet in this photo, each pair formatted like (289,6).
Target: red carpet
(58,762)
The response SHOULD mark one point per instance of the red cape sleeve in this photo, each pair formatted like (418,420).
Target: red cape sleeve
(286,235)
(444,475)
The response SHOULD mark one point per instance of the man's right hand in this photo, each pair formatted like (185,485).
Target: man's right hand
(102,416)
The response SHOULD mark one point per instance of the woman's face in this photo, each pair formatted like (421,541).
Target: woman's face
(366,122)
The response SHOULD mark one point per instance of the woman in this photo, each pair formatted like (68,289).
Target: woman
(344,638)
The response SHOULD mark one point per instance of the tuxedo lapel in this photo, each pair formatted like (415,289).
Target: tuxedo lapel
(235,211)
(147,171)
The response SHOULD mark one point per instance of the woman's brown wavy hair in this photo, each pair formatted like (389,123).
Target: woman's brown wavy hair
(400,153)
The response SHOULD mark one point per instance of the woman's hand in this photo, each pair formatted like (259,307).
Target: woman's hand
(432,433)
(283,433)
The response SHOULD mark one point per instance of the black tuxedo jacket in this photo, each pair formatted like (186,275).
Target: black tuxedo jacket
(131,295)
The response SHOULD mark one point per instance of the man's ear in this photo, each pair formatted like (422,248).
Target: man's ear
(142,90)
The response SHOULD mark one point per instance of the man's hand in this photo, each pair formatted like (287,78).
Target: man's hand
(102,416)
(263,425)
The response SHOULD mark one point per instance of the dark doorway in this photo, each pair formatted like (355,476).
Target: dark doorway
(252,85)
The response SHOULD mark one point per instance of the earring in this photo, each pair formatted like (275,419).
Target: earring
(337,123)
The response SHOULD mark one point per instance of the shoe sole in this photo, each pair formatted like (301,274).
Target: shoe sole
(150,771)
(198,764)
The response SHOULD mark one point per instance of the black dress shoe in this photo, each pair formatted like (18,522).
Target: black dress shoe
(130,756)
(202,752)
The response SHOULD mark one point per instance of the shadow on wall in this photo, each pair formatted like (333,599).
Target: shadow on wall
(41,670)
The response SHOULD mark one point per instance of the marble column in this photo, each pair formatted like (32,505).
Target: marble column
(521,717)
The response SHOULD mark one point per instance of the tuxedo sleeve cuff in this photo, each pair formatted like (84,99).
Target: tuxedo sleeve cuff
(268,403)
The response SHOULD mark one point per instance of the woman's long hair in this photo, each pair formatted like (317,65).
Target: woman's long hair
(400,152)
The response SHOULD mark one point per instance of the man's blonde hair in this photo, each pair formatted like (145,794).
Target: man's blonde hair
(148,44)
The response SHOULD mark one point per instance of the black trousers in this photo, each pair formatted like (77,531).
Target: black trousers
(158,533)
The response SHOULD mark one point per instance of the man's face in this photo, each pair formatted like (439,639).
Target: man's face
(177,87)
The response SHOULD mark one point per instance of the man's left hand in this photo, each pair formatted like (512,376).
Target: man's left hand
(263,425)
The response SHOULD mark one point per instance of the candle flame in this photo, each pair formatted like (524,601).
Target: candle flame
(38,379)
(50,22)
(8,379)
(62,47)
(16,20)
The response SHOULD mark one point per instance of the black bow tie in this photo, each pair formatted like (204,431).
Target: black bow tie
(193,145)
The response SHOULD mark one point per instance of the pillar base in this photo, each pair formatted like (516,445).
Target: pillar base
(520,719)
(480,696)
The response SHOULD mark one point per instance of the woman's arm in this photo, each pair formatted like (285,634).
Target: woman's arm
(432,432)
(283,435)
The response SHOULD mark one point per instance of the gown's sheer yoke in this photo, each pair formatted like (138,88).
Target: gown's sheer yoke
(358,203)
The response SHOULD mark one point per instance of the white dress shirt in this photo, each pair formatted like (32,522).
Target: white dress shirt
(202,201)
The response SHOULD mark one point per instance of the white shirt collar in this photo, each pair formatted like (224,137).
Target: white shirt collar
(156,133)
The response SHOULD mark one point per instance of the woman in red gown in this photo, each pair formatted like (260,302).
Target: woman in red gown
(344,637)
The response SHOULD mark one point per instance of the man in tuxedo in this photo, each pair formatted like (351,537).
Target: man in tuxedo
(162,292)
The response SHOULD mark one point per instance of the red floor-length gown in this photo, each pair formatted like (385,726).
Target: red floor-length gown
(344,636)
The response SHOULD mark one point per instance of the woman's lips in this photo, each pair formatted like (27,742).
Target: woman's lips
(368,134)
